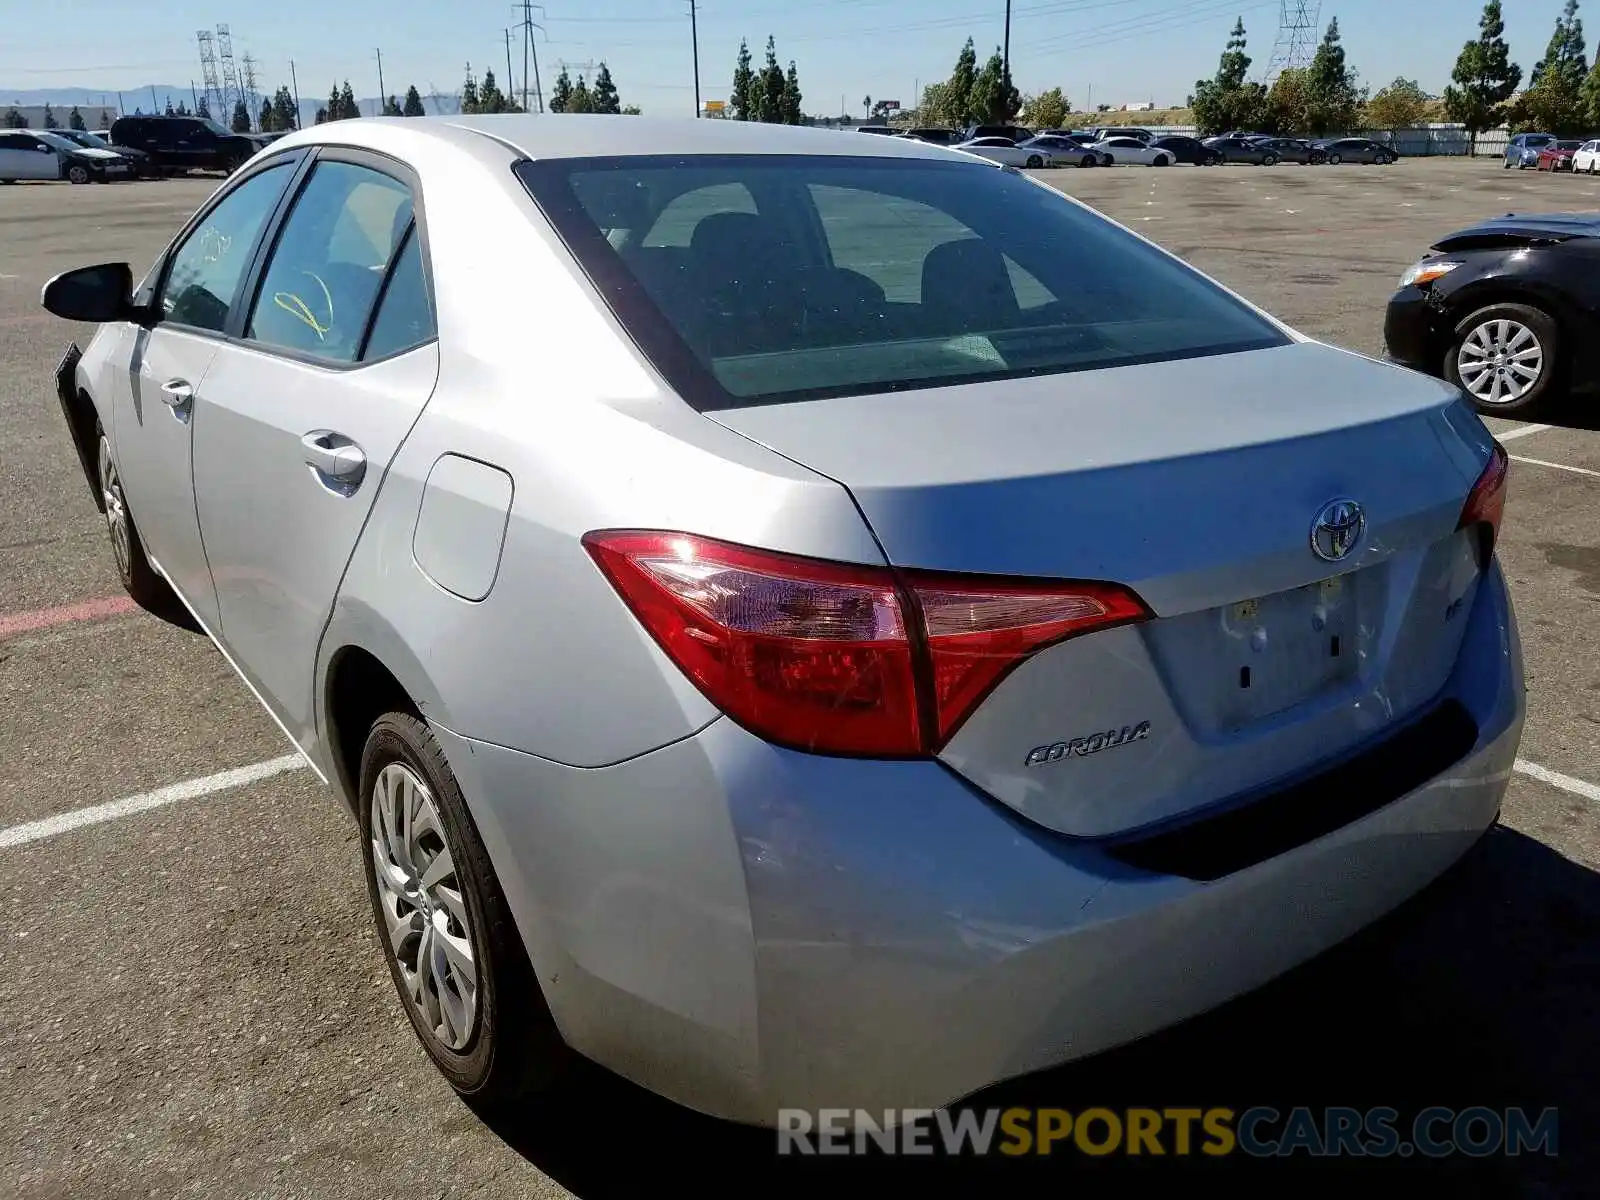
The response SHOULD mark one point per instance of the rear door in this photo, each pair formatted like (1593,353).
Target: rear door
(330,366)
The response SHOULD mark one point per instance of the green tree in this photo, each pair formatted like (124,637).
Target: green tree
(171,112)
(335,108)
(75,119)
(769,88)
(582,99)
(1334,101)
(1047,110)
(413,106)
(391,106)
(743,98)
(322,116)
(201,109)
(958,89)
(105,119)
(347,101)
(1554,100)
(15,120)
(50,121)
(286,113)
(561,93)
(632,110)
(604,92)
(1287,108)
(490,98)
(1484,77)
(792,112)
(994,97)
(469,94)
(1398,106)
(1227,100)
(241,117)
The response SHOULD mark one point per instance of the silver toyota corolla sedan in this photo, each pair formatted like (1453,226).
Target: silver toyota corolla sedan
(801,621)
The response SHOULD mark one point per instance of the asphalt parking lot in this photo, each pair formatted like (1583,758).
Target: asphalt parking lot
(191,999)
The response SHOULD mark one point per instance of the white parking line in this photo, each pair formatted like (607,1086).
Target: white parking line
(1523,431)
(33,831)
(1566,783)
(1539,462)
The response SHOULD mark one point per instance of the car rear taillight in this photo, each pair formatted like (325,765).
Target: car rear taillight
(837,658)
(1486,503)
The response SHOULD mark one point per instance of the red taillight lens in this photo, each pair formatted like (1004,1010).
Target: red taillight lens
(828,657)
(1486,503)
(977,631)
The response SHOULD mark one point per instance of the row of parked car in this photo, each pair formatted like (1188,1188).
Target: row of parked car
(137,147)
(1112,146)
(1546,152)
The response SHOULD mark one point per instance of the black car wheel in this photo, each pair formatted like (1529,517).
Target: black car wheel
(1034,162)
(1088,161)
(77,173)
(1162,161)
(1212,159)
(1506,357)
(139,579)
(1334,160)
(1269,160)
(446,931)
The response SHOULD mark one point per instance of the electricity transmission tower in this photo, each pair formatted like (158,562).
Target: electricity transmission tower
(231,90)
(252,101)
(1298,22)
(208,69)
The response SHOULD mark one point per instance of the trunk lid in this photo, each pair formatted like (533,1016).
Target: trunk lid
(1196,483)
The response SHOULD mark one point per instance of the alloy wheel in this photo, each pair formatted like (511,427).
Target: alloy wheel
(116,511)
(1500,361)
(424,908)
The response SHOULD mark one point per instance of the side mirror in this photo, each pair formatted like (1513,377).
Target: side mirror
(98,294)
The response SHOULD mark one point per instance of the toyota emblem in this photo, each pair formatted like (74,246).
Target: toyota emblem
(1337,529)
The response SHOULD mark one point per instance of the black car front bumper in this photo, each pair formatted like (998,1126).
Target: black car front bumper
(1412,334)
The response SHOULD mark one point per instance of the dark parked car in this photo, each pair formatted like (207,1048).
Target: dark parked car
(1507,309)
(1357,150)
(938,137)
(179,144)
(884,129)
(1296,150)
(1189,150)
(1015,133)
(139,164)
(1240,150)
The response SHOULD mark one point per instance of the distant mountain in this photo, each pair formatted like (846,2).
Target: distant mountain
(154,97)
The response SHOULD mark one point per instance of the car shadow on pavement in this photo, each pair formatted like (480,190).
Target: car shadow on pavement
(1484,990)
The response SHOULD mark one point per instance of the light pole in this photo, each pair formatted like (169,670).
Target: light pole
(694,37)
(1005,57)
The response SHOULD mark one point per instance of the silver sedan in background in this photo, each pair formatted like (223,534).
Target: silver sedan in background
(802,621)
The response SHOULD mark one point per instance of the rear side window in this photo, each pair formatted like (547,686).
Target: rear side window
(845,275)
(322,280)
(405,313)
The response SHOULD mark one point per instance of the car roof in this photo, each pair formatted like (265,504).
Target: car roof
(586,135)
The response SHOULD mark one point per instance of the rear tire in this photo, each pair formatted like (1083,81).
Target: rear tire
(1162,161)
(1271,160)
(1034,162)
(1088,161)
(502,1045)
(1479,339)
(1213,159)
(77,173)
(1334,160)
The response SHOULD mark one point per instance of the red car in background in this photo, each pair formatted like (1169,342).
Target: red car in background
(1557,156)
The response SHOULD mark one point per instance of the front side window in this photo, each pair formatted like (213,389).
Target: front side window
(855,275)
(205,270)
(329,262)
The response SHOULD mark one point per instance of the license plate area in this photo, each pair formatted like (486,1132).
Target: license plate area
(1279,651)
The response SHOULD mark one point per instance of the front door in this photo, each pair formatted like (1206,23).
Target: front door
(300,418)
(154,409)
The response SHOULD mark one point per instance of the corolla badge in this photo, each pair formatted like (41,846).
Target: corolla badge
(1337,529)
(1078,747)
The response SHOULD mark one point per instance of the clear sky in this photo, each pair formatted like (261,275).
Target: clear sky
(1122,50)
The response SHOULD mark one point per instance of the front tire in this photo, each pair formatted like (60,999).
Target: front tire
(139,579)
(1213,159)
(1162,161)
(77,173)
(1506,357)
(1034,162)
(1334,160)
(453,949)
(1088,161)
(1271,160)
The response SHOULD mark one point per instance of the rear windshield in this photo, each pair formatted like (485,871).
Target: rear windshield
(762,278)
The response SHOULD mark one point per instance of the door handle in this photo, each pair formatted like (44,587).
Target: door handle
(340,464)
(177,393)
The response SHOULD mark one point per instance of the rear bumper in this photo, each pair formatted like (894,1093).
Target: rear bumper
(744,928)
